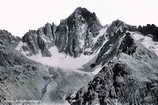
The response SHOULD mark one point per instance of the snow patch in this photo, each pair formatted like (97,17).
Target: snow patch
(97,69)
(19,46)
(101,33)
(146,41)
(81,32)
(137,36)
(20,49)
(61,60)
(45,39)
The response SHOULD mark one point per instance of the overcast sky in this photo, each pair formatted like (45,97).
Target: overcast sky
(18,16)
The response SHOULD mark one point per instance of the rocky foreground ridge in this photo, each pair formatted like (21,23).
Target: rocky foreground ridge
(80,62)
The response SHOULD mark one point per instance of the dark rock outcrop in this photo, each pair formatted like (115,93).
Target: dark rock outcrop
(76,33)
(115,85)
(41,40)
(151,29)
(7,39)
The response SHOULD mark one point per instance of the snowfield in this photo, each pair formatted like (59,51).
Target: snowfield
(61,60)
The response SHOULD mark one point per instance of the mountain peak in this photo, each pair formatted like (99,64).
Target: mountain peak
(80,9)
(119,25)
(83,14)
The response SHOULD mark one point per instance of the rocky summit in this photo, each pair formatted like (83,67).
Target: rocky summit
(80,62)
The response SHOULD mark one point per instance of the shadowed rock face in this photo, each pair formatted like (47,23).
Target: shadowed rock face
(76,33)
(126,71)
(82,15)
(40,40)
(72,36)
(7,39)
(126,77)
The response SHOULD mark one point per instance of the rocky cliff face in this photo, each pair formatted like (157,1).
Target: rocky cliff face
(7,39)
(77,32)
(128,72)
(73,36)
(80,61)
(38,41)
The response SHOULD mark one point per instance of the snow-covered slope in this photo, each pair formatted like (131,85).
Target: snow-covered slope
(60,60)
(146,41)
